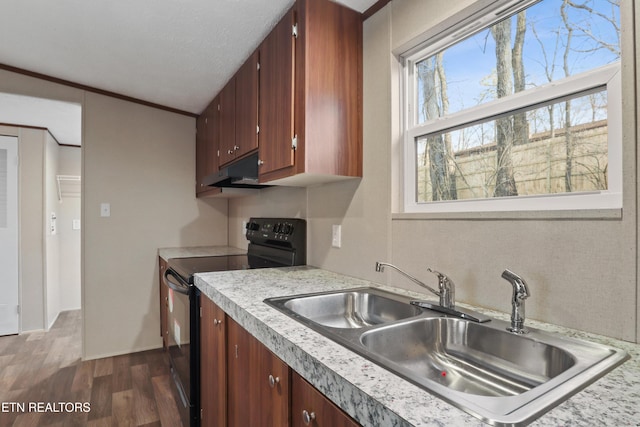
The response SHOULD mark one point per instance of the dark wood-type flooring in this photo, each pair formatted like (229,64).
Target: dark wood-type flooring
(43,368)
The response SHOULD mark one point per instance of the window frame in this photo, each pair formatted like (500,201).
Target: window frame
(607,77)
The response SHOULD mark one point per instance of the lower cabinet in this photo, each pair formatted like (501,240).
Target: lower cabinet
(213,365)
(258,387)
(245,384)
(309,407)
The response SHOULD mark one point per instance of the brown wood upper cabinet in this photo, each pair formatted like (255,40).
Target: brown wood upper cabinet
(310,103)
(247,106)
(207,144)
(239,113)
(276,98)
(297,100)
(227,111)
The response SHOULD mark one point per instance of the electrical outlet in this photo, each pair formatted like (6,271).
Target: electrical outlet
(336,236)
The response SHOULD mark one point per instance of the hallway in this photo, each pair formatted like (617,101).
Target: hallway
(43,382)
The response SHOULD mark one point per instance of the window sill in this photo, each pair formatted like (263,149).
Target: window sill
(598,214)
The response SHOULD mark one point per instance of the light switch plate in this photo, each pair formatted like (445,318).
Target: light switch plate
(105,209)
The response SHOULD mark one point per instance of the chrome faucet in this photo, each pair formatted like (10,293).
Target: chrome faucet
(446,286)
(446,293)
(520,294)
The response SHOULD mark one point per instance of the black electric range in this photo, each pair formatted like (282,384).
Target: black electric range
(273,242)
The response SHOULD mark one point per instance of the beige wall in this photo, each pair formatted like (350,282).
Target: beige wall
(141,160)
(70,163)
(582,272)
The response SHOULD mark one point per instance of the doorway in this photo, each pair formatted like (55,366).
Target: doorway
(9,288)
(48,136)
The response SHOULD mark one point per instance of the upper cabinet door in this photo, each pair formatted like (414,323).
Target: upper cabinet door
(277,60)
(247,106)
(207,125)
(227,114)
(201,151)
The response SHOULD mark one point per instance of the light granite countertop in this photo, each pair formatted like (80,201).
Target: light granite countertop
(374,396)
(199,251)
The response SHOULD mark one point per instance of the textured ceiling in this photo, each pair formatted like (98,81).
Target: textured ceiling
(176,53)
(63,119)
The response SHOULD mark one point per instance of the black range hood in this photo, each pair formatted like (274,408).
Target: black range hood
(240,174)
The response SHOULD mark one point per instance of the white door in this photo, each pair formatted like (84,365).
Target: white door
(8,235)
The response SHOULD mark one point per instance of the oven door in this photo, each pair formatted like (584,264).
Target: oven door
(184,349)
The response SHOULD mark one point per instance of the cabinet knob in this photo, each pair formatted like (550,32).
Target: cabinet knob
(217,322)
(308,417)
(273,381)
(260,162)
(229,151)
(236,147)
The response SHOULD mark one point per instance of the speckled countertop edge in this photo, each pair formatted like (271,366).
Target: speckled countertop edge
(199,251)
(370,393)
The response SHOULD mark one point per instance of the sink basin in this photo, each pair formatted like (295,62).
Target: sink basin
(356,308)
(468,357)
(497,376)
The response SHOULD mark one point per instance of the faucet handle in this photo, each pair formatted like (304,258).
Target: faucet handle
(447,289)
(443,279)
(437,273)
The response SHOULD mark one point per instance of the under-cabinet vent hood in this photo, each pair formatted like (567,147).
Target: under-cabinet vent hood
(240,174)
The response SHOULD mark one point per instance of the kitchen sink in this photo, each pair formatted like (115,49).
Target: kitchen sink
(468,357)
(356,308)
(498,376)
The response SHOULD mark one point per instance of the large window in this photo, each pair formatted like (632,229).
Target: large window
(522,114)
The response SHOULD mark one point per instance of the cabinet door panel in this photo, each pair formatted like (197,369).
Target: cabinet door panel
(254,400)
(206,145)
(239,395)
(273,381)
(213,366)
(276,97)
(247,106)
(213,136)
(321,411)
(201,150)
(227,117)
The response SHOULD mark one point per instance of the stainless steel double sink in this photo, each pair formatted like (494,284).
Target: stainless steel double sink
(495,375)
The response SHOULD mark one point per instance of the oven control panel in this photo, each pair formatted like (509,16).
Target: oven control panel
(263,230)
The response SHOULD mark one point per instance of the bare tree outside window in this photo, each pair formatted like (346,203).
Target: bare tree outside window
(559,147)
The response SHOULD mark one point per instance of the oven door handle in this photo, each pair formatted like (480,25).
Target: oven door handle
(180,287)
